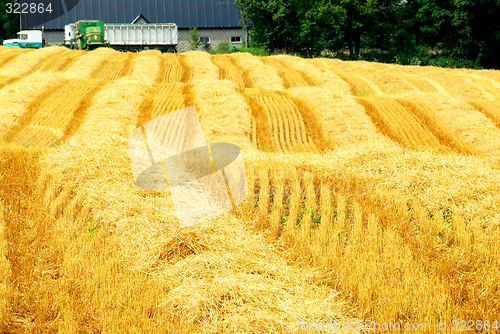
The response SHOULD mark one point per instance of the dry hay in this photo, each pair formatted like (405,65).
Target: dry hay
(436,126)
(465,122)
(327,78)
(198,67)
(207,278)
(280,123)
(392,119)
(489,86)
(224,114)
(196,276)
(343,121)
(89,63)
(165,98)
(50,120)
(7,80)
(9,54)
(262,75)
(170,68)
(17,96)
(61,61)
(365,230)
(359,86)
(422,84)
(146,66)
(346,65)
(291,77)
(390,83)
(27,62)
(228,71)
(451,81)
(118,66)
(490,109)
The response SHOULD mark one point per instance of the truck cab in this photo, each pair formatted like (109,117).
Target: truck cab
(27,39)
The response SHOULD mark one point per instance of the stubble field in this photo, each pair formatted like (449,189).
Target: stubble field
(374,194)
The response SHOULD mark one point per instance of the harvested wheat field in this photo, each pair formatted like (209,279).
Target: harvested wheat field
(373,196)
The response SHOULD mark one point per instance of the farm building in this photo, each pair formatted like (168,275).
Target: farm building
(216,21)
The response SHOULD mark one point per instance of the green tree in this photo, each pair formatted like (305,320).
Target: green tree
(9,22)
(479,26)
(194,38)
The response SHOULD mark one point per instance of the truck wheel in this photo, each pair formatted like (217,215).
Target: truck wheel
(135,50)
(171,51)
(120,50)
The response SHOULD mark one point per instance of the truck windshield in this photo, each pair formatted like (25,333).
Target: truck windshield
(23,36)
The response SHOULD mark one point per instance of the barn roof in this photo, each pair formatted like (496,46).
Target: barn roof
(184,13)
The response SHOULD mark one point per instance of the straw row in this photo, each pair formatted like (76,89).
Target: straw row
(114,68)
(291,77)
(396,122)
(62,61)
(46,123)
(490,109)
(279,123)
(164,99)
(170,69)
(227,70)
(8,55)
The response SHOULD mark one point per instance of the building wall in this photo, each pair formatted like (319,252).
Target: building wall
(216,36)
(56,37)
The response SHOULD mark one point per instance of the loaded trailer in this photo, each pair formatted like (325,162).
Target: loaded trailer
(86,35)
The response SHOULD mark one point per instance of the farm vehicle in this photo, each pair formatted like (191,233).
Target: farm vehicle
(88,35)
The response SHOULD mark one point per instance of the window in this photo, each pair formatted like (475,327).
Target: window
(24,36)
(236,39)
(205,40)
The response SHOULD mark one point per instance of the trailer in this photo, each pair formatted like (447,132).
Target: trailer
(122,37)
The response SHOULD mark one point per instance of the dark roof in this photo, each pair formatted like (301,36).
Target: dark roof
(184,13)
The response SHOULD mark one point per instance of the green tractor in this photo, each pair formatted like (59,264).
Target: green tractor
(89,35)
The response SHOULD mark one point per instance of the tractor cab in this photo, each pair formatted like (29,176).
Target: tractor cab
(26,39)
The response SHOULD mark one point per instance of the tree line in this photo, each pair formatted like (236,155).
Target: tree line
(466,31)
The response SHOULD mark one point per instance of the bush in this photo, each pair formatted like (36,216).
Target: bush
(223,47)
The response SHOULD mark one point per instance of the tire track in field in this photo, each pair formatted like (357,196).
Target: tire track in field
(171,69)
(281,123)
(291,78)
(115,68)
(51,120)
